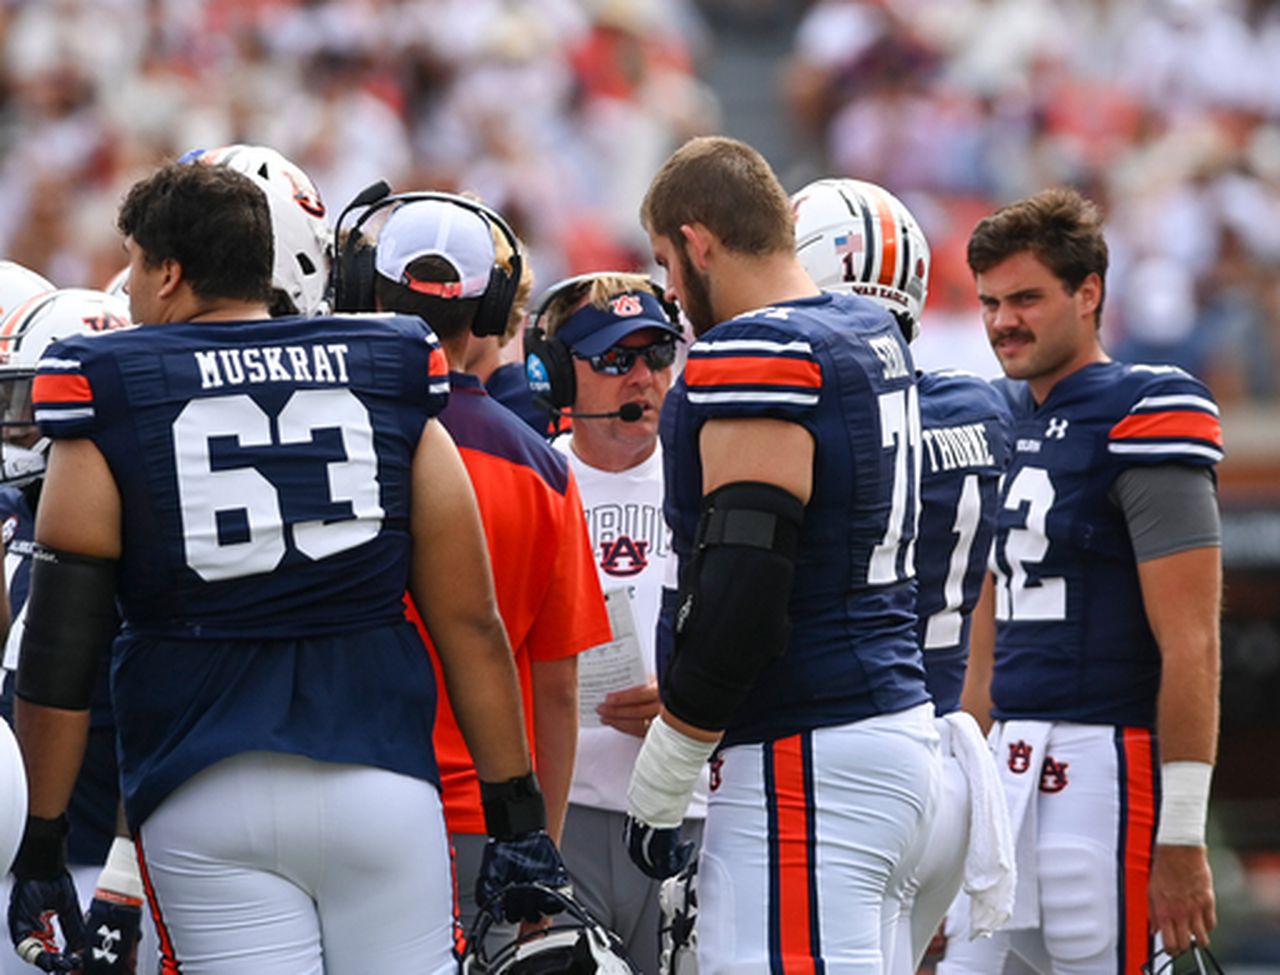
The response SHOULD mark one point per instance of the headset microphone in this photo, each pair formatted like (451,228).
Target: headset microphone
(369,195)
(627,412)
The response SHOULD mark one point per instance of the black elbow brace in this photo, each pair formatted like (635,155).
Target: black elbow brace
(731,616)
(71,619)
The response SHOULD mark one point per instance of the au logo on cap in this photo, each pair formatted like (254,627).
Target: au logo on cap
(625,306)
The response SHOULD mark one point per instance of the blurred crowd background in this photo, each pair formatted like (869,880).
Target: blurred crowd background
(557,112)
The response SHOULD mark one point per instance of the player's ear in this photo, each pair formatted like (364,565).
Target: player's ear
(698,243)
(171,278)
(1090,293)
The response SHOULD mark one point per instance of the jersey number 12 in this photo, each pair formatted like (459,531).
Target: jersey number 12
(1018,598)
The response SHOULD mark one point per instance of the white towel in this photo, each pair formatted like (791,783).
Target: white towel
(1020,748)
(989,869)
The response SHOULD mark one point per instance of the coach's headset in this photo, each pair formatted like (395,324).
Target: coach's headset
(548,362)
(354,271)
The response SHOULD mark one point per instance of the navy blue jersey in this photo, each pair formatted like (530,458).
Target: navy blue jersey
(264,475)
(1073,642)
(965,437)
(509,386)
(837,365)
(17,525)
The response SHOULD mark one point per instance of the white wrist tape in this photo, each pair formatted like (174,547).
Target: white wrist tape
(119,879)
(1184,803)
(665,774)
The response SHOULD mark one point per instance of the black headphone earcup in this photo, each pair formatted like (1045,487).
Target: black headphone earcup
(548,368)
(499,295)
(353,287)
(670,308)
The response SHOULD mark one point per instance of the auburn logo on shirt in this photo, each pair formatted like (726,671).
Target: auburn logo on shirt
(624,557)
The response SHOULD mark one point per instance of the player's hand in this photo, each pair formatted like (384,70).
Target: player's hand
(528,859)
(33,904)
(658,852)
(114,927)
(42,890)
(631,709)
(1181,895)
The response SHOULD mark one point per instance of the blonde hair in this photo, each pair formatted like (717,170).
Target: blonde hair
(502,254)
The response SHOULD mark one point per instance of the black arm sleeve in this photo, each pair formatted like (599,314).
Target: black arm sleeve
(71,619)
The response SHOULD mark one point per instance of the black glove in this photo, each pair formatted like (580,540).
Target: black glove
(519,851)
(42,890)
(528,859)
(657,851)
(113,928)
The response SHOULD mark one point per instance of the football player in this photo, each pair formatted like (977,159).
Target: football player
(31,327)
(791,445)
(259,493)
(854,236)
(1107,598)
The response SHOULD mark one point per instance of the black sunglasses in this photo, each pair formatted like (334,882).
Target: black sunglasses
(618,360)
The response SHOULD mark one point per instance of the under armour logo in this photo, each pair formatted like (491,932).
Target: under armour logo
(107,937)
(1019,757)
(1053,775)
(1057,428)
(624,557)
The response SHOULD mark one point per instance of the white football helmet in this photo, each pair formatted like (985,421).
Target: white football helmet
(13,797)
(857,236)
(677,926)
(574,944)
(17,284)
(303,238)
(1196,960)
(25,333)
(119,284)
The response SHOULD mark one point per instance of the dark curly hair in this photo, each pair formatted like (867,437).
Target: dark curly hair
(212,220)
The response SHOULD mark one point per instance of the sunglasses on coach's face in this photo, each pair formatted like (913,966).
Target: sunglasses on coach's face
(618,360)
